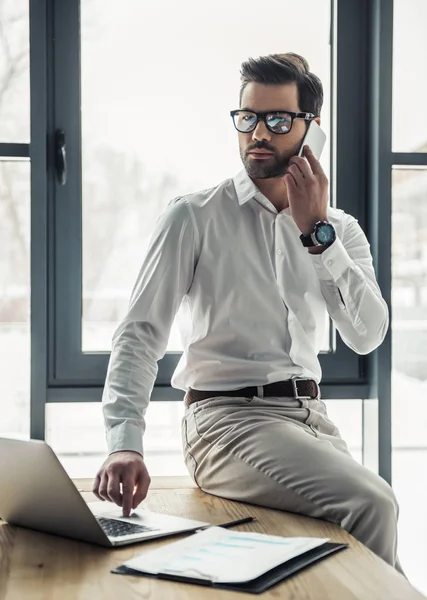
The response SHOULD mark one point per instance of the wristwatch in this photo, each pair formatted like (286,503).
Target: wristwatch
(323,234)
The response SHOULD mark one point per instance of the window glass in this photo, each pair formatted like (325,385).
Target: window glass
(409,81)
(15,298)
(158,82)
(14,71)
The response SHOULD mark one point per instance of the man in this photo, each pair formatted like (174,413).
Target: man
(253,265)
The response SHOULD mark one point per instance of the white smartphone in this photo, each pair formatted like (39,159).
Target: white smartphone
(314,137)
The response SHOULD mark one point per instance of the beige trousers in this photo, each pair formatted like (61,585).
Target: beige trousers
(287,454)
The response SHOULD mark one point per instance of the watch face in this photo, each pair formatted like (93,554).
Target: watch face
(325,233)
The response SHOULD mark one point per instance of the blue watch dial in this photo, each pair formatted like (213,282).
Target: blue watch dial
(325,233)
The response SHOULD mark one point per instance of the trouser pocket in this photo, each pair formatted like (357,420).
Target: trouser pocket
(190,461)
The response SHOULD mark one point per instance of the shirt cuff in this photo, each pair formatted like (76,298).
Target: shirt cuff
(125,436)
(333,261)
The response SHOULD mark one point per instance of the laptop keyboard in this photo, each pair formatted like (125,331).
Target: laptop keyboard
(115,528)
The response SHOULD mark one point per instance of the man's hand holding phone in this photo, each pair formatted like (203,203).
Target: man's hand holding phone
(307,189)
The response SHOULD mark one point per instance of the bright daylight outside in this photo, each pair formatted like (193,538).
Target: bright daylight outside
(140,62)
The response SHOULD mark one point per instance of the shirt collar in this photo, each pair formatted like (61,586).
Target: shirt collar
(245,187)
(246,190)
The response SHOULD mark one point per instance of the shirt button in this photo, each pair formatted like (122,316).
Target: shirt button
(279,252)
(329,262)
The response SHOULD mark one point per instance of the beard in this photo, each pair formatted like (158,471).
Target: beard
(274,166)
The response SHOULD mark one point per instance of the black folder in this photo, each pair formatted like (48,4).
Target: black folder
(254,586)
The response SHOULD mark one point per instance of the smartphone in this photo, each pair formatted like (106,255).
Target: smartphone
(314,137)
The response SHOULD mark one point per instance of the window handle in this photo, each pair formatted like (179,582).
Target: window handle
(60,157)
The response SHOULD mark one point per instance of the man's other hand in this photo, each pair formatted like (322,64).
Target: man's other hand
(123,479)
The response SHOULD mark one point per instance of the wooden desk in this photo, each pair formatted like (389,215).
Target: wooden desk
(39,566)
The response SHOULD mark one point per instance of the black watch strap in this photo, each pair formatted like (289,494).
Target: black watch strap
(307,240)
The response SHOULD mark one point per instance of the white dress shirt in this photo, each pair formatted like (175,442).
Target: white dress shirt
(251,302)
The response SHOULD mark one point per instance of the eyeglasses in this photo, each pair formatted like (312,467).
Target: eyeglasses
(279,122)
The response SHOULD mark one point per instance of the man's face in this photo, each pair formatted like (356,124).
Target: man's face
(260,97)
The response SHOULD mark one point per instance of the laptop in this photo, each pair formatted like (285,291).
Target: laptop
(36,492)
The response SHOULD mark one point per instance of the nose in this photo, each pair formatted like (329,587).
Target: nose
(261,132)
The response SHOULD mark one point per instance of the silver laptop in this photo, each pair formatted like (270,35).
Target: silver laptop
(36,492)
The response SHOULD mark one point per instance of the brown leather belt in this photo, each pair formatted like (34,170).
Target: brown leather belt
(291,388)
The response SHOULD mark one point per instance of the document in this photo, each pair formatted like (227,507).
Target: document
(222,556)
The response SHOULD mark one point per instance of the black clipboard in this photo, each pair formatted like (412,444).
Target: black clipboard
(254,586)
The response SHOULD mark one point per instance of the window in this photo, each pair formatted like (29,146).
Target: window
(15,298)
(104,215)
(408,283)
(122,173)
(155,122)
(14,71)
(409,83)
(98,217)
(14,219)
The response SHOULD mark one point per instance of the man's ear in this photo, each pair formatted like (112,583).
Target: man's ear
(318,120)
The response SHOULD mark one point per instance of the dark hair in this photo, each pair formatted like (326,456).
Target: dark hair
(276,69)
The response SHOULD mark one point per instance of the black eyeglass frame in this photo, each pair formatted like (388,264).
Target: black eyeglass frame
(263,116)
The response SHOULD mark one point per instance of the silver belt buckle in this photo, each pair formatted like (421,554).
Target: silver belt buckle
(295,389)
